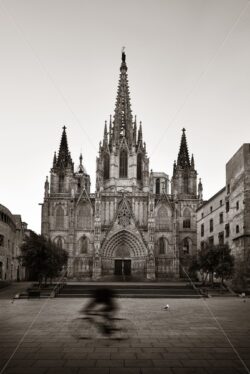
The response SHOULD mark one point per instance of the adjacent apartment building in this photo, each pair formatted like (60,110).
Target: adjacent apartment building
(225,217)
(12,233)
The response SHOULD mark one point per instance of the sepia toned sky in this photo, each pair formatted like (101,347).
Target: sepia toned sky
(188,66)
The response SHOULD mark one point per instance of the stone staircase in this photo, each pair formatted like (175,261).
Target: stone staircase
(131,290)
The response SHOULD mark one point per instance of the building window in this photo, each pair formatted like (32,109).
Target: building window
(157,186)
(211,225)
(185,184)
(186,218)
(186,223)
(84,245)
(139,166)
(123,164)
(59,218)
(1,240)
(221,237)
(161,246)
(227,206)
(211,209)
(186,245)
(227,230)
(221,217)
(237,205)
(202,229)
(84,217)
(162,219)
(220,202)
(59,242)
(237,229)
(211,240)
(202,215)
(106,166)
(202,245)
(61,183)
(228,188)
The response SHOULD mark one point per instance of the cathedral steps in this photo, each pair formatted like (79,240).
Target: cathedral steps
(131,290)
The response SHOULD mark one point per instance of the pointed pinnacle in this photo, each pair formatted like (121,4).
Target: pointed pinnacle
(192,161)
(183,156)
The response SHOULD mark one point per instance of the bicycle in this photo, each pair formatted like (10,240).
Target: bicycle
(97,325)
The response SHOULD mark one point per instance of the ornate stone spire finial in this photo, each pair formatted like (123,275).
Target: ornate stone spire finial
(46,187)
(192,162)
(140,134)
(200,190)
(80,168)
(174,167)
(105,137)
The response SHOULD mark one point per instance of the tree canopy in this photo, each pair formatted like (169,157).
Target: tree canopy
(214,260)
(42,258)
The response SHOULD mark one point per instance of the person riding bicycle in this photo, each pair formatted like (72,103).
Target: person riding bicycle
(102,304)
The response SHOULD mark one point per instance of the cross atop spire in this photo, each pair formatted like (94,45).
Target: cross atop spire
(183,157)
(123,55)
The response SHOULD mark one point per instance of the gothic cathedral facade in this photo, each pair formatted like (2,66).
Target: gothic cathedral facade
(137,224)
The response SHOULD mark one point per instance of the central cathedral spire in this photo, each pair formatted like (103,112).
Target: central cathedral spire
(183,156)
(123,119)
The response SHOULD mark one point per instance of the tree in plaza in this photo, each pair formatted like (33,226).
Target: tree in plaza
(213,260)
(225,262)
(42,258)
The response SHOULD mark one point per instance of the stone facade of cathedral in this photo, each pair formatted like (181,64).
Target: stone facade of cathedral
(136,224)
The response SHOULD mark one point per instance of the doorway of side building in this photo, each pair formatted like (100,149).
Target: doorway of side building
(122,267)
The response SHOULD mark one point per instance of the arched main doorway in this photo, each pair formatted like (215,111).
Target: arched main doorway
(124,255)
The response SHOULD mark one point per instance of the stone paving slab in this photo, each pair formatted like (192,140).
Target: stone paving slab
(185,339)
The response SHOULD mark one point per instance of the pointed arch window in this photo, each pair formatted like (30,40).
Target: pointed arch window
(84,217)
(83,243)
(161,246)
(61,183)
(157,186)
(163,219)
(123,173)
(185,184)
(139,166)
(186,218)
(59,218)
(187,245)
(106,166)
(59,242)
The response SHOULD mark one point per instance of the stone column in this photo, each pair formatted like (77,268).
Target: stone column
(97,239)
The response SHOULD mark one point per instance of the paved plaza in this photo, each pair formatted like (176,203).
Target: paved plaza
(193,336)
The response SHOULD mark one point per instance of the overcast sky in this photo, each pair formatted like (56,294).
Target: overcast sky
(188,66)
